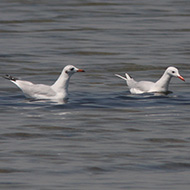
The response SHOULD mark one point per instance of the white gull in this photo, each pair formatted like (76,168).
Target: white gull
(56,92)
(161,86)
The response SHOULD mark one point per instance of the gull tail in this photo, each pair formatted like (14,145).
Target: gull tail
(9,77)
(128,77)
(121,77)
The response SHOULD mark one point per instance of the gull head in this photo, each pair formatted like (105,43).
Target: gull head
(172,71)
(70,70)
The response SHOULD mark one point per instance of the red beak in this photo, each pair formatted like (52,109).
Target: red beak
(180,77)
(80,70)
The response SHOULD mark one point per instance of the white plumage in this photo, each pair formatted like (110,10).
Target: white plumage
(58,91)
(161,86)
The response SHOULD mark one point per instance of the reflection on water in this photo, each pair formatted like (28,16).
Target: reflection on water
(104,137)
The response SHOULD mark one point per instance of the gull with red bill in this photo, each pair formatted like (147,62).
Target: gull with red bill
(161,86)
(57,92)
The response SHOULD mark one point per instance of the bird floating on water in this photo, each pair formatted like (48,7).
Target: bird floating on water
(161,86)
(56,92)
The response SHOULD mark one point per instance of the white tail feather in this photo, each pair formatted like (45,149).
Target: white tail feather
(128,77)
(121,77)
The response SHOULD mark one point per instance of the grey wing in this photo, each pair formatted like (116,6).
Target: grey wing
(35,90)
(41,89)
(144,85)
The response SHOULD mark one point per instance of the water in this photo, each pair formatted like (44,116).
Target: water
(104,137)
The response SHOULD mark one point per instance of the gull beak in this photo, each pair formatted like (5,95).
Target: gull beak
(180,77)
(80,70)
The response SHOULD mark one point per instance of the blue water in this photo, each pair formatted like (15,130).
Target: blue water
(104,137)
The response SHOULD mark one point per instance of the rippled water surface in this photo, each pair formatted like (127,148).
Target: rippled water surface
(104,137)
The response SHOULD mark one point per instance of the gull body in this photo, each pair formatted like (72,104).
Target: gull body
(161,86)
(58,91)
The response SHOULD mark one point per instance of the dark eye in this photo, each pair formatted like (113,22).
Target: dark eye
(72,69)
(173,71)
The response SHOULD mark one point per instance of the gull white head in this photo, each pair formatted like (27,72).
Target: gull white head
(70,70)
(173,72)
(62,83)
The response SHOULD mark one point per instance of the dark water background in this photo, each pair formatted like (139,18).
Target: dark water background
(104,138)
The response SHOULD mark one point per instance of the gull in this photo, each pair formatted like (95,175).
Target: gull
(57,92)
(161,86)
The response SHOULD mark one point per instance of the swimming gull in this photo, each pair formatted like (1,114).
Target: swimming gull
(58,91)
(161,86)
